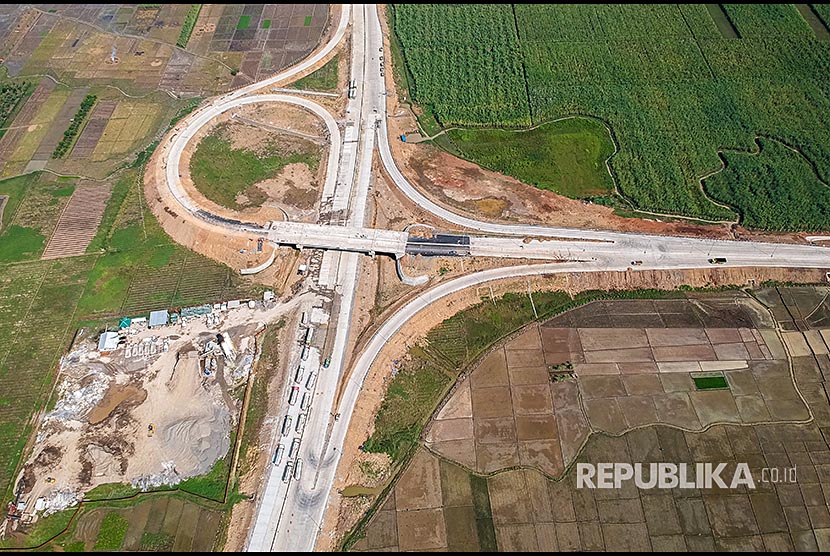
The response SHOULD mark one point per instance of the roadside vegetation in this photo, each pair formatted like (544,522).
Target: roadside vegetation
(565,156)
(672,88)
(324,79)
(188,25)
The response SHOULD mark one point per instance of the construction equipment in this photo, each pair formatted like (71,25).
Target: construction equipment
(50,480)
(151,428)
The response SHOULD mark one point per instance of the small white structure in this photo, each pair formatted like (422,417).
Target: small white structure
(107,342)
(158,318)
(234,304)
(268,296)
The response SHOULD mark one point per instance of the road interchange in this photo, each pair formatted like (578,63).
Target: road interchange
(346,190)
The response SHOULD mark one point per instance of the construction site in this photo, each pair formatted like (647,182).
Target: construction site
(149,404)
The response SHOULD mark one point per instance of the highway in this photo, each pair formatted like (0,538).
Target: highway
(295,526)
(291,518)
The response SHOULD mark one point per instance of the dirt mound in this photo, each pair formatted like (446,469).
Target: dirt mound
(195,442)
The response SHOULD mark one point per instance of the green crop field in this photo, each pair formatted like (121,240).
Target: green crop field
(785,189)
(565,156)
(671,87)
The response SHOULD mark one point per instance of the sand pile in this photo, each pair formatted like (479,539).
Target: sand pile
(196,442)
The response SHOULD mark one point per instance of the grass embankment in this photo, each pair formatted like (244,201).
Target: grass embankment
(565,156)
(324,79)
(425,377)
(188,25)
(221,172)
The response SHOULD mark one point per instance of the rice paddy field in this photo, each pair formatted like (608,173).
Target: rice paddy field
(141,48)
(706,378)
(675,84)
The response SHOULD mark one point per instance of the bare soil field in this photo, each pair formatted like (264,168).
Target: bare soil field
(155,410)
(78,222)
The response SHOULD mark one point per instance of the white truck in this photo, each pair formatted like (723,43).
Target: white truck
(292,397)
(295,447)
(300,423)
(278,454)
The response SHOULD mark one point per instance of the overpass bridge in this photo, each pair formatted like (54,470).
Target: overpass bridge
(341,238)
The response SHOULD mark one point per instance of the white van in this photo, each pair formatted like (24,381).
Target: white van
(298,468)
(306,401)
(292,397)
(287,473)
(286,425)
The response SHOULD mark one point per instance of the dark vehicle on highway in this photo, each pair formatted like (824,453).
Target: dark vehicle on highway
(718,260)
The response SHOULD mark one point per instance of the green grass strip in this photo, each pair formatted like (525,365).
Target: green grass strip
(189,24)
(75,127)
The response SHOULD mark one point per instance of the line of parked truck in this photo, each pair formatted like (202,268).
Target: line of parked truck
(294,467)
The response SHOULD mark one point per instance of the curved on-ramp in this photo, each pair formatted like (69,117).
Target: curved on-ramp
(181,140)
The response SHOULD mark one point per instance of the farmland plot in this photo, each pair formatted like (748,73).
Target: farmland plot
(672,89)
